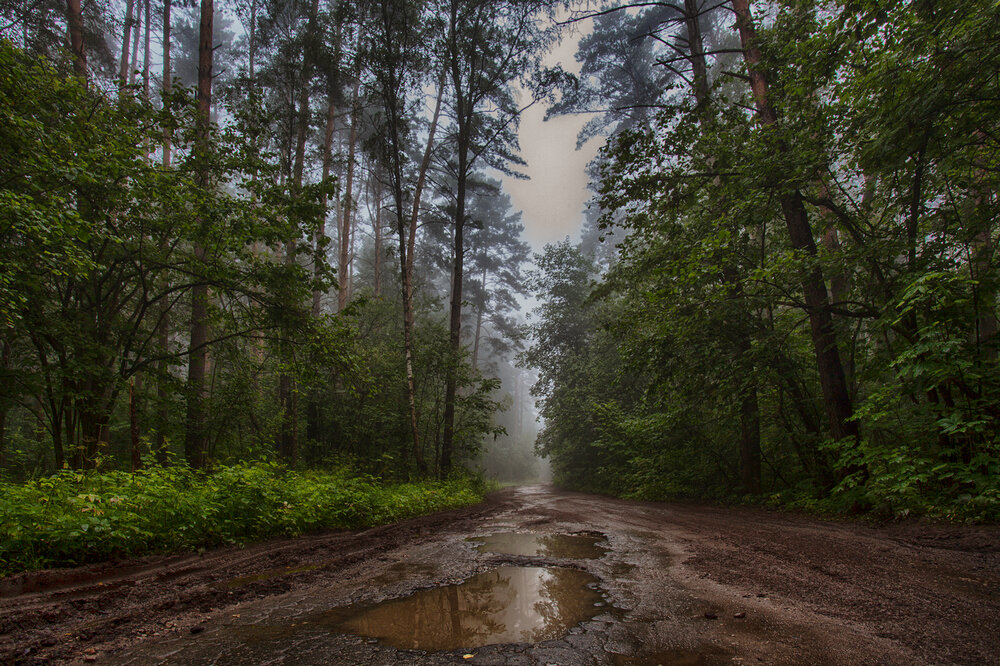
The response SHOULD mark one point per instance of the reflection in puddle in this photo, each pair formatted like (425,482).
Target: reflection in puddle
(505,605)
(571,546)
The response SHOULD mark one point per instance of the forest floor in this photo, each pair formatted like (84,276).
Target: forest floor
(679,583)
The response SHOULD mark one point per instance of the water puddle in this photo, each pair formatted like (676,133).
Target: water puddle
(504,605)
(570,546)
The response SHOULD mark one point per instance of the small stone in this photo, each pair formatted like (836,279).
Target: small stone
(740,615)
(709,615)
(197,629)
(90,650)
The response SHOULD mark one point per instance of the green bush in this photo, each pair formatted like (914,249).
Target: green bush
(71,518)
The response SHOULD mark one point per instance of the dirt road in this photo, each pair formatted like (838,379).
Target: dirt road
(669,584)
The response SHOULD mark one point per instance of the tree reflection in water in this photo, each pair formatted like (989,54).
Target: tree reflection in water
(504,605)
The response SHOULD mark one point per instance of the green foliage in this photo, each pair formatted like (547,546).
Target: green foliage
(75,517)
(700,332)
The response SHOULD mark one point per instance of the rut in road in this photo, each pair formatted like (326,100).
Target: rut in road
(673,583)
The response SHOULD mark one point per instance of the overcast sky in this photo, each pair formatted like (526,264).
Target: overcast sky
(554,198)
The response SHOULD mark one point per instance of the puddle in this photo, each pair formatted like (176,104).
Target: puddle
(570,546)
(504,605)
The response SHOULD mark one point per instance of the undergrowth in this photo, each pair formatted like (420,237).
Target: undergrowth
(72,518)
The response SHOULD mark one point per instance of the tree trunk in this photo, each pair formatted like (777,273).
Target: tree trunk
(135,45)
(831,371)
(480,307)
(167,79)
(133,417)
(74,18)
(377,228)
(163,326)
(195,449)
(406,257)
(145,55)
(455,316)
(126,38)
(699,68)
(318,248)
(288,441)
(344,272)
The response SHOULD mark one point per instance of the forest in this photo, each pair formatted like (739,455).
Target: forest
(266,244)
(800,302)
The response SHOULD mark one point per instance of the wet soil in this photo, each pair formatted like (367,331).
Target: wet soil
(662,584)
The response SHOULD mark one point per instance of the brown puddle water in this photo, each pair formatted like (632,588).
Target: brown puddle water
(504,605)
(570,546)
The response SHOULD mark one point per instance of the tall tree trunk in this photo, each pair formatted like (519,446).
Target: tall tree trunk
(126,39)
(288,441)
(74,18)
(195,448)
(163,326)
(344,269)
(480,308)
(377,229)
(319,258)
(135,45)
(455,314)
(406,256)
(699,67)
(167,80)
(145,54)
(319,250)
(831,371)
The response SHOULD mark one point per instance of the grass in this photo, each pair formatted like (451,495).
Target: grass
(73,518)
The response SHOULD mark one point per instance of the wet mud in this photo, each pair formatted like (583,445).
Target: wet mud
(535,576)
(570,546)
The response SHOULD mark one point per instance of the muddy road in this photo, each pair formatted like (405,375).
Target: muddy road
(547,577)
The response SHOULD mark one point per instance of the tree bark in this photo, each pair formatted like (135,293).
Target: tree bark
(145,54)
(163,327)
(344,272)
(126,38)
(135,45)
(195,449)
(318,248)
(480,307)
(377,229)
(74,18)
(288,441)
(831,371)
(406,256)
